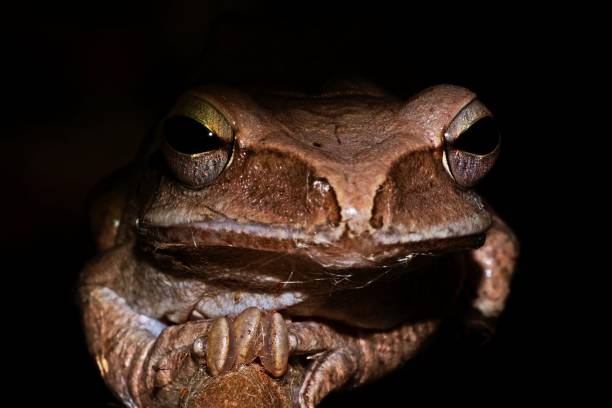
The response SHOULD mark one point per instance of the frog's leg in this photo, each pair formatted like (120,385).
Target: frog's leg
(339,358)
(349,358)
(493,265)
(149,363)
(137,355)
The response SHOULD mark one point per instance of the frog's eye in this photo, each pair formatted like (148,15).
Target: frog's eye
(472,144)
(196,142)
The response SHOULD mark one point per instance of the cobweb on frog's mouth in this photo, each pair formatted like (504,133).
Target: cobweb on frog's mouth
(240,268)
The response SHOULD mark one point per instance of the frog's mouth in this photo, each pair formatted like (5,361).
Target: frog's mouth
(328,247)
(312,278)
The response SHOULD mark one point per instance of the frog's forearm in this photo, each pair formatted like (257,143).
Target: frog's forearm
(136,354)
(119,339)
(496,261)
(138,357)
(352,358)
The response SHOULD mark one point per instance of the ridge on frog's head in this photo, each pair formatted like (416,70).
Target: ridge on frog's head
(350,177)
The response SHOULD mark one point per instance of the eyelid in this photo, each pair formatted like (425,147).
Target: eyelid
(205,113)
(469,115)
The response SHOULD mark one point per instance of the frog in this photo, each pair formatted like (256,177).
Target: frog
(315,239)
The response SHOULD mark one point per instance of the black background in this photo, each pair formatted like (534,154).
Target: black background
(84,83)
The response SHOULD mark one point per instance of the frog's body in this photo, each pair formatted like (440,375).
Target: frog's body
(307,220)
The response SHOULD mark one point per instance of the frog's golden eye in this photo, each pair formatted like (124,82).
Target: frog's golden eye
(197,142)
(472,144)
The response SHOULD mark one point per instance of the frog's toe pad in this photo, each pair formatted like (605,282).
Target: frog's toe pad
(231,342)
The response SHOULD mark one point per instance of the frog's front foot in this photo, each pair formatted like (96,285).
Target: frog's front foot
(344,358)
(334,357)
(253,334)
(232,342)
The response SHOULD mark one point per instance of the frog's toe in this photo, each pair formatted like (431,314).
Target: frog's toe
(275,352)
(219,347)
(252,334)
(330,371)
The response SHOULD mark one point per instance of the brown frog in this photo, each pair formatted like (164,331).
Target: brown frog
(316,241)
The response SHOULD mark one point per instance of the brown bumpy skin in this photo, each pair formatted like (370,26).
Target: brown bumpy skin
(149,370)
(320,258)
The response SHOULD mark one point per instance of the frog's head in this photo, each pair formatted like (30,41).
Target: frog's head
(349,178)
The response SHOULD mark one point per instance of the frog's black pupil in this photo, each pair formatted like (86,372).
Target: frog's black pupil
(187,135)
(481,138)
